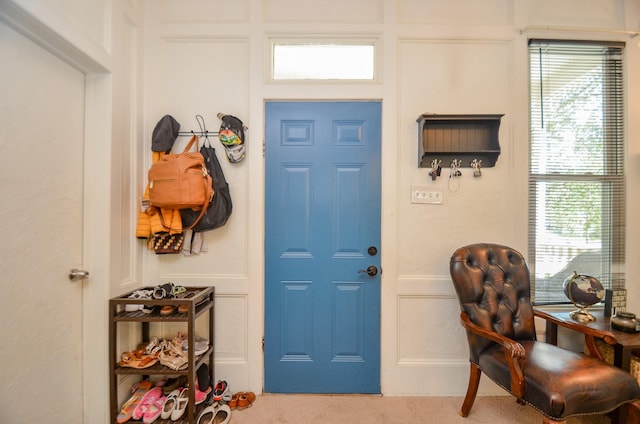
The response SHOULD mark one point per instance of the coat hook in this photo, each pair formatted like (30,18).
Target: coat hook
(201,124)
(455,168)
(476,165)
(435,169)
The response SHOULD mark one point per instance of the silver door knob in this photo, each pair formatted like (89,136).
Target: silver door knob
(78,274)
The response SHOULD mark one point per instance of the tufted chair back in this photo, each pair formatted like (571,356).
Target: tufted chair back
(492,283)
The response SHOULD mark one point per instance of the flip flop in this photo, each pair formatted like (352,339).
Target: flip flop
(138,390)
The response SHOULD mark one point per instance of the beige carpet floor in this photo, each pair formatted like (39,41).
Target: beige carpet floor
(361,409)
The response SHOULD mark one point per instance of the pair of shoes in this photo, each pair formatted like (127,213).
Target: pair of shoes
(214,415)
(155,346)
(201,345)
(163,291)
(242,400)
(183,309)
(221,391)
(203,378)
(138,294)
(167,290)
(150,406)
(170,359)
(173,356)
(175,404)
(137,359)
(167,310)
(137,393)
(149,309)
(246,400)
(173,384)
(200,395)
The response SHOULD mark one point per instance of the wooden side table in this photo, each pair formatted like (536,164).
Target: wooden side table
(625,344)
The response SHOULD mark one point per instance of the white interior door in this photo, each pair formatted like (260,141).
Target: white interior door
(41,223)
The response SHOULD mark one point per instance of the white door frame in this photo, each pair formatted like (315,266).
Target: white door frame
(97,203)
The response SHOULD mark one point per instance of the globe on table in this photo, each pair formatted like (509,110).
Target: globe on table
(583,291)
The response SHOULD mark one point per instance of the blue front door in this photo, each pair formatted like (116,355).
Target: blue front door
(322,247)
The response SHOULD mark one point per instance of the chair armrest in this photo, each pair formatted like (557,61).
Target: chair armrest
(513,351)
(590,333)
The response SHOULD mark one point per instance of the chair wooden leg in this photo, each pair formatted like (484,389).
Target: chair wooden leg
(472,389)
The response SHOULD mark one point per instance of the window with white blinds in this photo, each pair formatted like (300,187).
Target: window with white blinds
(576,176)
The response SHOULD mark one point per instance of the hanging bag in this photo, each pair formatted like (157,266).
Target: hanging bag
(181,181)
(219,209)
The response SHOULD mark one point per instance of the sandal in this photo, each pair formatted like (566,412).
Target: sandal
(169,359)
(152,346)
(137,393)
(134,360)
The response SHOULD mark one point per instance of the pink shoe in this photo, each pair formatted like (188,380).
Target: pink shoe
(154,410)
(145,403)
(201,396)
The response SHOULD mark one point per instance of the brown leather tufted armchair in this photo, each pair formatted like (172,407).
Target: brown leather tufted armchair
(492,283)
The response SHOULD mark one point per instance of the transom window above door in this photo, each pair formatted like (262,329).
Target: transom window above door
(323,60)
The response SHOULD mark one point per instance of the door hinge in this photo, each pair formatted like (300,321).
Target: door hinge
(263,344)
(264,148)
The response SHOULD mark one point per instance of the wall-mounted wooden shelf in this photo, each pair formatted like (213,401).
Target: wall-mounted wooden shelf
(462,137)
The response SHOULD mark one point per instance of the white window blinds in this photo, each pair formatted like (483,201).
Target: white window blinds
(576,177)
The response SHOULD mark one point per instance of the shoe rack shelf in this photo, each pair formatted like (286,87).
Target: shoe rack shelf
(199,302)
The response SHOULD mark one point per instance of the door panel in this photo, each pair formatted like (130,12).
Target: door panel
(322,323)
(41,180)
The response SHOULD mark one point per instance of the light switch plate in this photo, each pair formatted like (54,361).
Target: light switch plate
(427,195)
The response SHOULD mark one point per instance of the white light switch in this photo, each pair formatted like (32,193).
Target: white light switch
(423,194)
